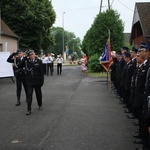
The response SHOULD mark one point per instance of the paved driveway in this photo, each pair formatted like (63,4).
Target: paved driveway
(79,113)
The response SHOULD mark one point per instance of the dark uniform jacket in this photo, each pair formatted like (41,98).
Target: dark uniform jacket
(113,70)
(34,72)
(146,110)
(128,75)
(135,69)
(119,69)
(123,76)
(19,72)
(140,81)
(132,87)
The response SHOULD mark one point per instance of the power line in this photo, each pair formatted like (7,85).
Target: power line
(125,6)
(112,2)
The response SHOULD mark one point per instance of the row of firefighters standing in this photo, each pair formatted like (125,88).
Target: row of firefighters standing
(130,75)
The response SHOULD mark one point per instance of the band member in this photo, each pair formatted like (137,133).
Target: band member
(59,64)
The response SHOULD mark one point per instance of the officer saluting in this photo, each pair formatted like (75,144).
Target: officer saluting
(16,58)
(34,79)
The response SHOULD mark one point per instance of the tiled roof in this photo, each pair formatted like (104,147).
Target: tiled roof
(6,30)
(143,11)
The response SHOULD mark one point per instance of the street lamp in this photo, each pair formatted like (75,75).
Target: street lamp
(63,33)
(73,48)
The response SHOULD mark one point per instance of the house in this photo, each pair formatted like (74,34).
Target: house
(8,39)
(141,24)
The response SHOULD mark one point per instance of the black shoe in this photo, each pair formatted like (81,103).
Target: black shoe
(136,123)
(121,103)
(117,96)
(40,108)
(139,149)
(124,106)
(127,111)
(136,135)
(28,113)
(131,116)
(138,141)
(18,103)
(137,130)
(121,99)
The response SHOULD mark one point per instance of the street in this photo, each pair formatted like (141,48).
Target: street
(79,113)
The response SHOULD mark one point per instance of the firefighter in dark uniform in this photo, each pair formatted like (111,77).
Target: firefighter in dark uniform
(124,50)
(119,70)
(16,58)
(127,79)
(133,53)
(140,81)
(146,107)
(123,74)
(113,72)
(34,79)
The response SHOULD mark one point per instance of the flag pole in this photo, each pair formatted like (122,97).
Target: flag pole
(109,82)
(109,34)
(106,59)
(108,70)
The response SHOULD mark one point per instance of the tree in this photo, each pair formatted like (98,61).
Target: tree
(71,42)
(31,20)
(96,37)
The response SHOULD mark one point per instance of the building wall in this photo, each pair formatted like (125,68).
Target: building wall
(138,40)
(9,44)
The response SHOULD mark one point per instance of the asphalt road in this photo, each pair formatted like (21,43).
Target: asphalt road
(79,113)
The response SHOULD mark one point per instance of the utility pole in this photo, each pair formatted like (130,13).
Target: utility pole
(63,45)
(101,2)
(109,4)
(100,6)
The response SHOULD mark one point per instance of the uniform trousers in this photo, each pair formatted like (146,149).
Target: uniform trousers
(38,93)
(49,68)
(19,83)
(146,135)
(44,68)
(126,97)
(139,114)
(59,68)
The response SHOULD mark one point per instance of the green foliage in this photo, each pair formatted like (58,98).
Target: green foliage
(31,20)
(96,37)
(93,63)
(71,42)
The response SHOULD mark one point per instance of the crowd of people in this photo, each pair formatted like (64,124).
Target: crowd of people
(48,63)
(130,75)
(29,70)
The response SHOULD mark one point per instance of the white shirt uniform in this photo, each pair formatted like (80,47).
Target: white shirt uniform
(60,60)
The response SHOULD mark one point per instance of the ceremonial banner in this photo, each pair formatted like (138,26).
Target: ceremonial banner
(106,59)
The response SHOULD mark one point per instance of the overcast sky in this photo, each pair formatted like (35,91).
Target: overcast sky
(80,14)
